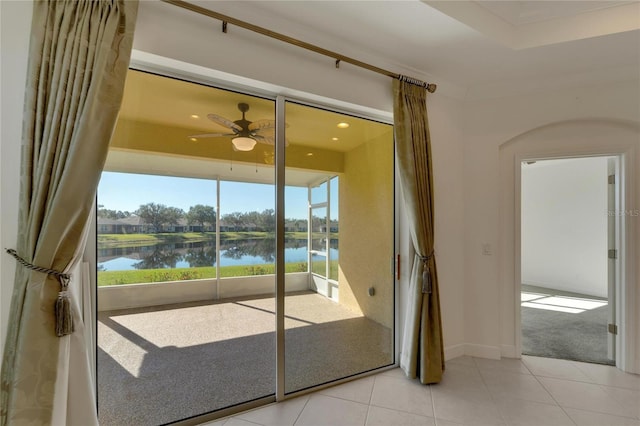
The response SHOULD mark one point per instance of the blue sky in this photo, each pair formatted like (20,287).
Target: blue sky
(127,192)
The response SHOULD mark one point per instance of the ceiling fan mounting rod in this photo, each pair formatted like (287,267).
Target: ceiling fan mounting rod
(431,87)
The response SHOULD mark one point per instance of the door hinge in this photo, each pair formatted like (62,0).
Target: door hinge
(613,329)
(612,179)
(613,254)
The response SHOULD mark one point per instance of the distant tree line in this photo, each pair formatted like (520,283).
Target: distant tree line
(159,214)
(112,214)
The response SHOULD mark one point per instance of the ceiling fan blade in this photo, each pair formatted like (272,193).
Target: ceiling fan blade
(262,124)
(224,122)
(259,125)
(265,132)
(269,140)
(211,135)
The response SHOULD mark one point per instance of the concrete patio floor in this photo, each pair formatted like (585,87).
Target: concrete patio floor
(162,364)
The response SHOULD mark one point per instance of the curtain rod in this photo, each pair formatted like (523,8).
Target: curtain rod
(431,88)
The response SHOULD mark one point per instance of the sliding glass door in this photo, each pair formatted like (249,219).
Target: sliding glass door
(186,254)
(342,323)
(190,320)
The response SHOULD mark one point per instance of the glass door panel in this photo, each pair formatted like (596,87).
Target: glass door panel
(186,321)
(335,325)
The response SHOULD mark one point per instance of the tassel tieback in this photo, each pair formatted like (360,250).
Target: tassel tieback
(426,276)
(62,308)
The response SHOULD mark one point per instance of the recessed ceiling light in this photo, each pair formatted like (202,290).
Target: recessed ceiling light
(195,116)
(309,154)
(343,125)
(334,139)
(193,139)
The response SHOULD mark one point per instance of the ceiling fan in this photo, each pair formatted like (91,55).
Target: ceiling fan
(245,133)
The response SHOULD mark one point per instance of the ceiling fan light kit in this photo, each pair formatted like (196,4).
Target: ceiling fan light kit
(242,143)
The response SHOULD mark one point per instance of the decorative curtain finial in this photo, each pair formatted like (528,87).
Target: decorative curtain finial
(431,88)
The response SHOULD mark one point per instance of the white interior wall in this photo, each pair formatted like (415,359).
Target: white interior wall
(564,225)
(603,112)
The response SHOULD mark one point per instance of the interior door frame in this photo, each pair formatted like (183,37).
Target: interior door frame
(569,138)
(613,239)
(620,288)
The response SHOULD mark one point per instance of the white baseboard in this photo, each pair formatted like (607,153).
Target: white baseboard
(454,351)
(482,351)
(478,351)
(508,351)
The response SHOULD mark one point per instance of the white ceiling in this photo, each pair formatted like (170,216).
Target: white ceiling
(525,12)
(476,47)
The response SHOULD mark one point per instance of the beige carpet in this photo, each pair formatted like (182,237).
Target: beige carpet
(163,364)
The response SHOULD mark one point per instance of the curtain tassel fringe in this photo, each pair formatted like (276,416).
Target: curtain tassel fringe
(64,316)
(426,281)
(426,275)
(62,308)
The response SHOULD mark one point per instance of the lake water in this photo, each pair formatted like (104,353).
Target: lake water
(185,255)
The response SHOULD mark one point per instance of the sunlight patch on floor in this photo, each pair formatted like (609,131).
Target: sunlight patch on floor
(525,297)
(572,305)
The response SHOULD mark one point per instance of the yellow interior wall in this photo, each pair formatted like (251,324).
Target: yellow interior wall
(367,229)
(171,140)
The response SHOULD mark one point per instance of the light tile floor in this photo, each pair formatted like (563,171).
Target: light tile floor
(474,391)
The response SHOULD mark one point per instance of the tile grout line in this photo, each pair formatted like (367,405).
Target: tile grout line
(398,410)
(433,406)
(526,366)
(593,380)
(600,386)
(553,397)
(590,380)
(603,388)
(300,413)
(504,420)
(366,418)
(373,385)
(238,418)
